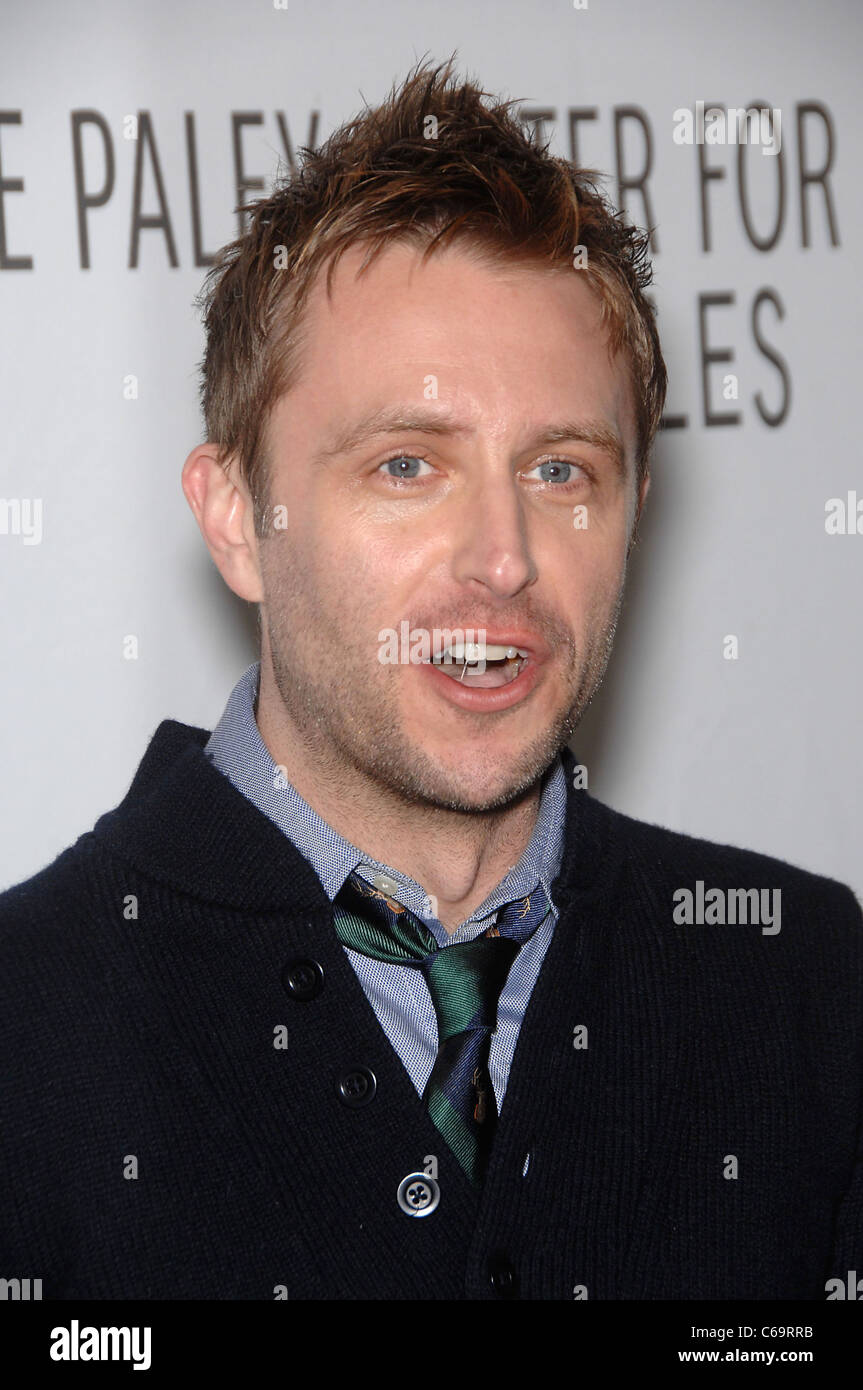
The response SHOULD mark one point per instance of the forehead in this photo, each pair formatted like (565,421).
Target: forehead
(498,340)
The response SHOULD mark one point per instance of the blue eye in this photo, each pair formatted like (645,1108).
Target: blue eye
(555,470)
(405,464)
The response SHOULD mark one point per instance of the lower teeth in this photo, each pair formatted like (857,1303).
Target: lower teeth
(512,668)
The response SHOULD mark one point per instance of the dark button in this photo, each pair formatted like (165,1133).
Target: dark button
(502,1276)
(356,1087)
(303,979)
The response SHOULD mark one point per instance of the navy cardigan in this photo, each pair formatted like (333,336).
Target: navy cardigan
(177,1020)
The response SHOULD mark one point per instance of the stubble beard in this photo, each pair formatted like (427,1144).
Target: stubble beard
(344,707)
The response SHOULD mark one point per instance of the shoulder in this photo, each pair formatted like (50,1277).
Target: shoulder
(64,922)
(59,956)
(700,882)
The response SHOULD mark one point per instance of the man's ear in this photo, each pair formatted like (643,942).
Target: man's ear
(642,497)
(223,510)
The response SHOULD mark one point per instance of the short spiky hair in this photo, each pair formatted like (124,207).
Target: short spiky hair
(472,174)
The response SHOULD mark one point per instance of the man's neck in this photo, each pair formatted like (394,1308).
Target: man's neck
(458,858)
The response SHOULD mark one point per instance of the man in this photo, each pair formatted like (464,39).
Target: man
(363,995)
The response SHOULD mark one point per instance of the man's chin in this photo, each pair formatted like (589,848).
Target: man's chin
(473,780)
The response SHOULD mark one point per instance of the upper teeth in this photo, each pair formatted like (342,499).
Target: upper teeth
(478,651)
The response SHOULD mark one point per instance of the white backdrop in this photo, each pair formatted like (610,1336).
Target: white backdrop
(762,751)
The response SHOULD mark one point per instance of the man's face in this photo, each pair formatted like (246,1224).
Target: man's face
(480,526)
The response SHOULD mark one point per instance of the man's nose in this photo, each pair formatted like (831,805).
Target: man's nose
(491,545)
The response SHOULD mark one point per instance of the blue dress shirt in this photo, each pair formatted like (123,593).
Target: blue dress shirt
(398,993)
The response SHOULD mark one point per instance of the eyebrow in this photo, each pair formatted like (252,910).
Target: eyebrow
(396,420)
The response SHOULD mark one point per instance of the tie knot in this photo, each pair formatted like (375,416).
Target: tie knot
(465,979)
(376,925)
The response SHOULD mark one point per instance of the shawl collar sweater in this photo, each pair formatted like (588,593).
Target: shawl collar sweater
(155,1143)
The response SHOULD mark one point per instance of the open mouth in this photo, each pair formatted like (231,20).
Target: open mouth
(481,665)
